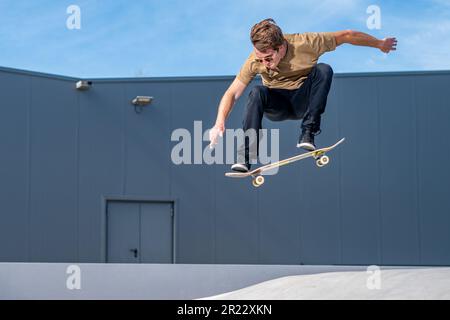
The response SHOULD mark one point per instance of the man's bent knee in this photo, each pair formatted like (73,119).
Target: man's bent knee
(325,70)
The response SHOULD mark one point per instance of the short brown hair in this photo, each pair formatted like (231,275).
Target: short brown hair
(266,35)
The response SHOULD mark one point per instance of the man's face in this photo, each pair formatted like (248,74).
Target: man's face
(269,58)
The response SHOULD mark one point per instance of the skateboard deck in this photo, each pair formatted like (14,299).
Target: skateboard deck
(256,174)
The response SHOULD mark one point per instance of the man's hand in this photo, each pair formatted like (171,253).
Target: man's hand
(388,44)
(214,133)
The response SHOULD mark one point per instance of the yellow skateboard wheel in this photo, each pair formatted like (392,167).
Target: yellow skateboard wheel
(322,161)
(325,160)
(258,181)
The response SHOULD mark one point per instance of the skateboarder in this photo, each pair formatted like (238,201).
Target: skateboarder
(294,86)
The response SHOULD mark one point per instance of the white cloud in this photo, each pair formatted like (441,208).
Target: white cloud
(425,43)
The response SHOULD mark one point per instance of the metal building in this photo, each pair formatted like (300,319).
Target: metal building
(86,176)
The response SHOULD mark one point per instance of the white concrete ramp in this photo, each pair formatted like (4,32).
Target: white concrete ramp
(402,284)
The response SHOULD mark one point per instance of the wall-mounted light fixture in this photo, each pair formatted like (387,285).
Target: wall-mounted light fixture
(141,101)
(83,85)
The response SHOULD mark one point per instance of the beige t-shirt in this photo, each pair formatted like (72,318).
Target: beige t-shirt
(304,49)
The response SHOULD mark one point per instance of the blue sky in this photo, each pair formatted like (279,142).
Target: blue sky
(154,38)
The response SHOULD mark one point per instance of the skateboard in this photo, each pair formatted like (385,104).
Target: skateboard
(258,179)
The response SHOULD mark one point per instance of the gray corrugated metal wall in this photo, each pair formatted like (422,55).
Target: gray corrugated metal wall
(383,199)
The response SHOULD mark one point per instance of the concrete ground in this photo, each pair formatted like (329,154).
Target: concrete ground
(402,284)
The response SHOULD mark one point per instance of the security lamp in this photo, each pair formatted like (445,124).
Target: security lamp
(142,100)
(83,85)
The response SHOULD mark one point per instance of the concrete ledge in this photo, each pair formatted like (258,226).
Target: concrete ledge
(140,281)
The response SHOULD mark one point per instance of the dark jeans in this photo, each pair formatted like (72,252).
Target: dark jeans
(307,102)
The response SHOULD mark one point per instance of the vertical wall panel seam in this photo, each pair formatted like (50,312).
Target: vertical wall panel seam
(212,179)
(258,217)
(140,231)
(30,83)
(416,158)
(170,100)
(216,172)
(378,160)
(341,182)
(168,141)
(174,219)
(428,126)
(78,176)
(300,244)
(124,141)
(417,132)
(214,222)
(214,215)
(299,212)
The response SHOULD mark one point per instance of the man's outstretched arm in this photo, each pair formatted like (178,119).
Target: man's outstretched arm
(363,39)
(227,102)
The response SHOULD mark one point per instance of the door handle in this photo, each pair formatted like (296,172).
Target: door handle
(135,252)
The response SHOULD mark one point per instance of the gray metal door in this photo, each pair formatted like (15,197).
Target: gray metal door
(139,232)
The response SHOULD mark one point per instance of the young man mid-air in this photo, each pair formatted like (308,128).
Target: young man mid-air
(294,86)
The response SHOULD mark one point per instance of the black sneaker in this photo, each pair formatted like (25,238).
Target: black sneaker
(306,141)
(240,167)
